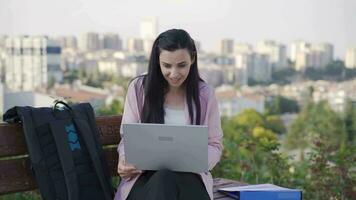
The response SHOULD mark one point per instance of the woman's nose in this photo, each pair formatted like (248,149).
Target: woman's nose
(174,73)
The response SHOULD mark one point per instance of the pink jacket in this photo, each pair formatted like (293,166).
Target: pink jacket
(210,116)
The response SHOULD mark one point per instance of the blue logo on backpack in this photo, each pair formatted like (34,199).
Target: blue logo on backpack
(72,137)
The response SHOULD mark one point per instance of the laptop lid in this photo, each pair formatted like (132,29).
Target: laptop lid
(182,148)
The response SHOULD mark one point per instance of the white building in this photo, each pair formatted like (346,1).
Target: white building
(297,47)
(133,69)
(109,66)
(327,53)
(135,45)
(350,58)
(277,53)
(31,61)
(306,55)
(232,102)
(212,74)
(226,46)
(89,42)
(148,32)
(111,41)
(69,42)
(149,28)
(252,66)
(243,48)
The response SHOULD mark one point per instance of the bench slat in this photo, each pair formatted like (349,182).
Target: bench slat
(12,141)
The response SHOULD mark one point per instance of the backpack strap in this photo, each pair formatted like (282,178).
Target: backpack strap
(66,158)
(85,131)
(92,123)
(38,164)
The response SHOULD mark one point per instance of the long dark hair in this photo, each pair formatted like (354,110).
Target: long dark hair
(155,86)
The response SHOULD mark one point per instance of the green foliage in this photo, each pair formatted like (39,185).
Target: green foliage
(316,120)
(280,105)
(71,76)
(335,70)
(275,123)
(330,172)
(282,76)
(32,195)
(350,121)
(115,108)
(250,153)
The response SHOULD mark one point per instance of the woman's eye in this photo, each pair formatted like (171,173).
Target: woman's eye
(181,66)
(166,66)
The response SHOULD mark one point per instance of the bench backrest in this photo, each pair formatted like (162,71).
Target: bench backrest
(15,173)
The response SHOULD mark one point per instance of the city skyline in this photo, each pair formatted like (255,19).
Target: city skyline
(317,21)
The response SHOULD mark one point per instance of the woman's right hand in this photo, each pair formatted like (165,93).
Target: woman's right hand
(127,171)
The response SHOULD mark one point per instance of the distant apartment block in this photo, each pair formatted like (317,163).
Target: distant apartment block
(227,46)
(69,42)
(31,61)
(135,45)
(277,53)
(307,55)
(212,74)
(111,41)
(243,48)
(89,42)
(350,58)
(148,32)
(149,28)
(232,102)
(252,67)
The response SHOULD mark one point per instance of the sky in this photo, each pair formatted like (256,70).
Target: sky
(207,21)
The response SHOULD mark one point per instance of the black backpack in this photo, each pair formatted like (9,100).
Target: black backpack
(66,155)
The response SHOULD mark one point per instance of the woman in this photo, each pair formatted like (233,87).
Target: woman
(173,93)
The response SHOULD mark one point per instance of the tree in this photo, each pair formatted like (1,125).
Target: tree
(350,121)
(316,121)
(115,108)
(275,123)
(280,105)
(251,151)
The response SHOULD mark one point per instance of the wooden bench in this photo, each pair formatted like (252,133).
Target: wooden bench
(15,174)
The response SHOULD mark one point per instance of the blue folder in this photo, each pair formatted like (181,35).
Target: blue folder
(262,192)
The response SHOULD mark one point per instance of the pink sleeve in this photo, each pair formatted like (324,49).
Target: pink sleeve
(215,132)
(130,115)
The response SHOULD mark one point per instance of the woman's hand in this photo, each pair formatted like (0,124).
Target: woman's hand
(127,171)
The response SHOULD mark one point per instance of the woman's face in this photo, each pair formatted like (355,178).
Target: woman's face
(175,66)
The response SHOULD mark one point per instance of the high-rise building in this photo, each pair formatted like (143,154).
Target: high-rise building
(277,53)
(89,42)
(243,48)
(327,53)
(69,42)
(297,47)
(148,32)
(350,58)
(307,55)
(227,46)
(111,41)
(135,45)
(252,66)
(149,28)
(2,41)
(31,61)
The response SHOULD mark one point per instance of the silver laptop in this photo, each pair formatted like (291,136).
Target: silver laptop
(182,148)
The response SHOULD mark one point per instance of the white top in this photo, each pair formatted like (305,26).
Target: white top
(174,116)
